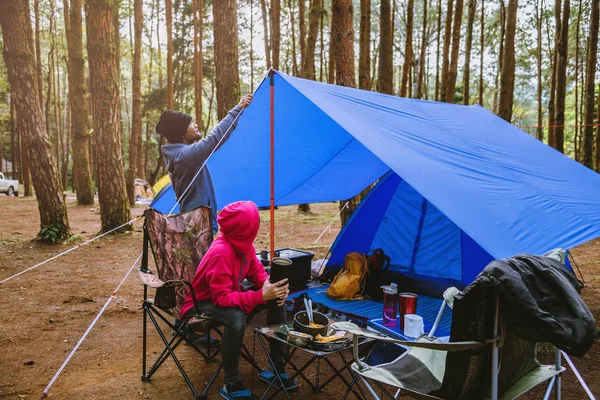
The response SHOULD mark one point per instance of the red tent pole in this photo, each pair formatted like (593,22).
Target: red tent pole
(272,88)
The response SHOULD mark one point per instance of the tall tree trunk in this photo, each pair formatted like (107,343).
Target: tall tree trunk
(507,83)
(500,55)
(82,174)
(385,75)
(14,159)
(308,68)
(446,51)
(104,77)
(38,52)
(294,53)
(20,64)
(481,48)
(322,44)
(561,79)
(197,11)
(437,52)
(169,22)
(136,92)
(226,55)
(342,15)
(422,56)
(597,146)
(265,19)
(467,69)
(333,44)
(576,140)
(364,57)
(408,52)
(588,119)
(302,29)
(275,31)
(553,75)
(453,70)
(159,47)
(538,23)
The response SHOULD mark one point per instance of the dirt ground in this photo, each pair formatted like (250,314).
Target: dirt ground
(44,312)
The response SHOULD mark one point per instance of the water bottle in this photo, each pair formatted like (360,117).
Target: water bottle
(390,305)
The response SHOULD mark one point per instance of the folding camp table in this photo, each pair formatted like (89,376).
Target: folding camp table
(277,332)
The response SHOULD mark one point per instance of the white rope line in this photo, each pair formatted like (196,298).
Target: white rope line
(579,377)
(327,227)
(112,296)
(70,250)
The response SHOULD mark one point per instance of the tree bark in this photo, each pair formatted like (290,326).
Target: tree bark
(197,11)
(364,57)
(308,67)
(408,51)
(322,44)
(38,52)
(553,76)
(437,52)
(302,29)
(561,79)
(136,92)
(453,70)
(294,52)
(20,64)
(538,23)
(422,56)
(333,37)
(500,55)
(481,47)
(169,23)
(446,51)
(597,147)
(385,74)
(577,140)
(82,174)
(275,31)
(342,13)
(265,19)
(104,77)
(467,69)
(226,55)
(588,119)
(507,82)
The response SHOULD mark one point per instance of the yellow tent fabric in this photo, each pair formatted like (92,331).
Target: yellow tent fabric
(161,183)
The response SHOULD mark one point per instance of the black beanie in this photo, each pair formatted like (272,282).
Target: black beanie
(172,125)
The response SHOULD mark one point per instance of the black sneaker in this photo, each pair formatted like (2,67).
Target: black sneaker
(237,391)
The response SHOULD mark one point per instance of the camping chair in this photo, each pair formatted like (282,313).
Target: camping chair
(178,243)
(458,369)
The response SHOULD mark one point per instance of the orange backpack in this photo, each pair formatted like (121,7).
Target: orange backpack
(349,283)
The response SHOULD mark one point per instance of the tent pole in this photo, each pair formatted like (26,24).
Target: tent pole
(272,233)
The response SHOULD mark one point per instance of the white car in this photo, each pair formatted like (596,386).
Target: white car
(9,186)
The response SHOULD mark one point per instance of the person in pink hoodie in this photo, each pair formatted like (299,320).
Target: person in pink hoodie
(219,292)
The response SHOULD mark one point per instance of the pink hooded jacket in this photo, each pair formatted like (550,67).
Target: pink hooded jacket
(231,259)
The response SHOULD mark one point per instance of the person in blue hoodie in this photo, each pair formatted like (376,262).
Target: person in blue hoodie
(185,154)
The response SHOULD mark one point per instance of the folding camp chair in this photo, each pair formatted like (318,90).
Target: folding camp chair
(496,364)
(433,369)
(178,243)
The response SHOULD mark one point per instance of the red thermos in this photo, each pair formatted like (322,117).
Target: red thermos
(407,305)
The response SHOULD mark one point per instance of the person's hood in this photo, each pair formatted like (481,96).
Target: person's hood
(170,152)
(239,223)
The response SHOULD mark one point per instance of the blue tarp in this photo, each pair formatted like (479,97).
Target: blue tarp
(504,191)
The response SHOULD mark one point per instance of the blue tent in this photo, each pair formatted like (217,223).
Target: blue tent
(474,185)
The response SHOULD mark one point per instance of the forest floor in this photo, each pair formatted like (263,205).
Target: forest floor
(44,312)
